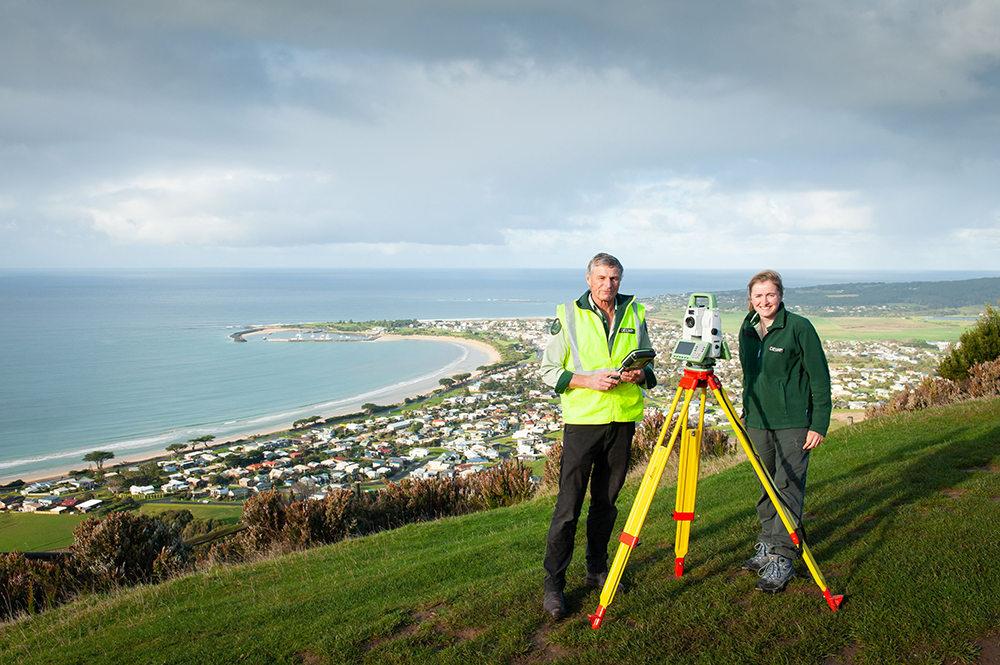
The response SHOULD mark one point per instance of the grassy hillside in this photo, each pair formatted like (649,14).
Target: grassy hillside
(903,517)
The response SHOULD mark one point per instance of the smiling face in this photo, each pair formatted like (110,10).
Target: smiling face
(604,282)
(765,298)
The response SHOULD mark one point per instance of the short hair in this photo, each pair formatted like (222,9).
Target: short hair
(603,259)
(765,276)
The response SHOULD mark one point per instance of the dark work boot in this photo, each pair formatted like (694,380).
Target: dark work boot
(598,580)
(554,604)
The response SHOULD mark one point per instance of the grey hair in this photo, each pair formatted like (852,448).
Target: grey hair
(603,259)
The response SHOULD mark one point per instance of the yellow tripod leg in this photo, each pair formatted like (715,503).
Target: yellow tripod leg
(630,536)
(687,485)
(768,483)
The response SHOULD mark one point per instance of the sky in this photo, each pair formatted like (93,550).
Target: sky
(788,134)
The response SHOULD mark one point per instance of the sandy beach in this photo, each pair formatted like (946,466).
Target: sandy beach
(393,394)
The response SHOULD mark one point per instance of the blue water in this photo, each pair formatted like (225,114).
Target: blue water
(133,361)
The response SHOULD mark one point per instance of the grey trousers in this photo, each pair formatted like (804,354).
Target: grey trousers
(598,454)
(781,454)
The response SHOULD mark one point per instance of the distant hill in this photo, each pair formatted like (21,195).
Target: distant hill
(927,295)
(901,517)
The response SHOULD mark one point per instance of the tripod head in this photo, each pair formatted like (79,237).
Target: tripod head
(701,340)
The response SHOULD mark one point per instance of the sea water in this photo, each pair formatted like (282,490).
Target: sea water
(133,361)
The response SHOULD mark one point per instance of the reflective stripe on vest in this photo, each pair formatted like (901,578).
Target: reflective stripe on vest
(589,355)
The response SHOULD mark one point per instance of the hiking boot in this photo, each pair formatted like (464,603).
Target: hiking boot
(554,604)
(776,574)
(759,559)
(598,580)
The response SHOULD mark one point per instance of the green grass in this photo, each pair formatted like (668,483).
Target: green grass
(537,467)
(226,512)
(902,518)
(29,532)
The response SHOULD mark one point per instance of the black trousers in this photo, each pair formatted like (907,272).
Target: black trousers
(598,454)
(782,455)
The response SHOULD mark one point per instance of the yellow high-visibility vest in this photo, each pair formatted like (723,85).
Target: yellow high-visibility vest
(588,354)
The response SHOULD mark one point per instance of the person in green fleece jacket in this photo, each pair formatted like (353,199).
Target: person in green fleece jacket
(786,410)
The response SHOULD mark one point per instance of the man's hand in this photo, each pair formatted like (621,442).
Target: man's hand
(813,439)
(634,376)
(600,381)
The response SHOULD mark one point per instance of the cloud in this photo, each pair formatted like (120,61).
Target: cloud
(498,127)
(689,222)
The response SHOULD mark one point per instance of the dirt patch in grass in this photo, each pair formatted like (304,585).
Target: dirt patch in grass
(418,617)
(466,634)
(845,657)
(989,650)
(953,492)
(307,658)
(543,650)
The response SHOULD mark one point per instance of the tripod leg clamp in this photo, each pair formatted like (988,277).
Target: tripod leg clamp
(629,539)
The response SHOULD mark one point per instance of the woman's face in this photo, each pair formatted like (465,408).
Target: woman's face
(765,298)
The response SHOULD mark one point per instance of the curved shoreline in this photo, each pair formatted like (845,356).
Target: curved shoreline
(394,393)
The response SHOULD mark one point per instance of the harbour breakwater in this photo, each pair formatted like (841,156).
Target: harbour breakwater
(314,335)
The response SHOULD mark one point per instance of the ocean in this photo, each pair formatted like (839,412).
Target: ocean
(133,361)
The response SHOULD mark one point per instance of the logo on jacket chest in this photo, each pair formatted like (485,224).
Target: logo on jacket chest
(776,349)
(630,331)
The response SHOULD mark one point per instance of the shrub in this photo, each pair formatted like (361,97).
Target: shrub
(504,485)
(416,501)
(930,392)
(553,465)
(715,443)
(646,436)
(306,525)
(341,518)
(126,549)
(978,344)
(274,523)
(31,586)
(181,517)
(984,380)
(264,515)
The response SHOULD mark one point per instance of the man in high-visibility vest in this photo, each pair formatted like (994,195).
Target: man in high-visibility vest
(588,342)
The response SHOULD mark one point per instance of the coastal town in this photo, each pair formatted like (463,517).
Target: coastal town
(467,425)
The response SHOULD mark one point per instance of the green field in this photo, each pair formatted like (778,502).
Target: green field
(537,467)
(41,532)
(228,512)
(857,328)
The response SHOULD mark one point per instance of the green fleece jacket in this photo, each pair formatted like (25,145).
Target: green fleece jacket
(786,381)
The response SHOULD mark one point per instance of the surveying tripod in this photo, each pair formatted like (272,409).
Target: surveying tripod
(696,375)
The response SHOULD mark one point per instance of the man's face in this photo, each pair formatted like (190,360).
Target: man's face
(604,282)
(765,298)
